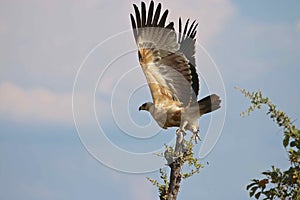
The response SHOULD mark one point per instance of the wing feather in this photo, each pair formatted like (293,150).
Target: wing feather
(137,15)
(150,13)
(163,19)
(187,47)
(156,15)
(143,14)
(169,73)
(133,24)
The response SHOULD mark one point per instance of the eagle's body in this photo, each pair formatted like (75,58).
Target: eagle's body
(168,62)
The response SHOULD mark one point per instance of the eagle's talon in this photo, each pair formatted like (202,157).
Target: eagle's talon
(197,137)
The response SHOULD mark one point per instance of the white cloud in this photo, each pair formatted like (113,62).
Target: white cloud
(34,104)
(42,105)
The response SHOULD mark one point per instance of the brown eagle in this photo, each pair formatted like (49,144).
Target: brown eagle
(168,62)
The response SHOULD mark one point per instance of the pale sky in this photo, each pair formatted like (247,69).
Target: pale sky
(255,44)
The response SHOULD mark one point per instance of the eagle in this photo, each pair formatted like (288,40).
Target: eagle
(167,59)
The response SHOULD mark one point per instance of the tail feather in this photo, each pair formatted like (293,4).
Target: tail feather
(209,104)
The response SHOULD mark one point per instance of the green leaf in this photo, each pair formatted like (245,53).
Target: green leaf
(257,195)
(253,190)
(293,144)
(250,185)
(286,140)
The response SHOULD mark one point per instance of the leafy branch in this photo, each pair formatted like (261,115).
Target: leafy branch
(176,158)
(277,183)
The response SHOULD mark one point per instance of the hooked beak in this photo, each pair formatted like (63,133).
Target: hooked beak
(140,108)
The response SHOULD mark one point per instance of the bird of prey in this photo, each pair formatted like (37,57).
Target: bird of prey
(167,59)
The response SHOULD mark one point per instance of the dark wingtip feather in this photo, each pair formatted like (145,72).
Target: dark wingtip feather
(132,21)
(143,14)
(150,14)
(137,15)
(133,26)
(180,24)
(157,14)
(194,31)
(185,27)
(163,19)
(190,30)
(180,29)
(170,26)
(150,17)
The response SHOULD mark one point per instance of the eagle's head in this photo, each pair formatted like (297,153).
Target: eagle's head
(146,106)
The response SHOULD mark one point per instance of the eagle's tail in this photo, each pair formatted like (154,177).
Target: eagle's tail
(209,104)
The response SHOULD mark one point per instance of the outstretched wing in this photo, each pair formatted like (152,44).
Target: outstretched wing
(187,41)
(170,74)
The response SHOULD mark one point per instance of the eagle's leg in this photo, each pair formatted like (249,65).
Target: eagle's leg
(180,132)
(181,129)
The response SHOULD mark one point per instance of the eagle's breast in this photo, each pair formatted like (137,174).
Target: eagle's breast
(167,117)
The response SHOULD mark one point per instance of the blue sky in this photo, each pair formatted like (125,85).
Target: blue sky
(255,44)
